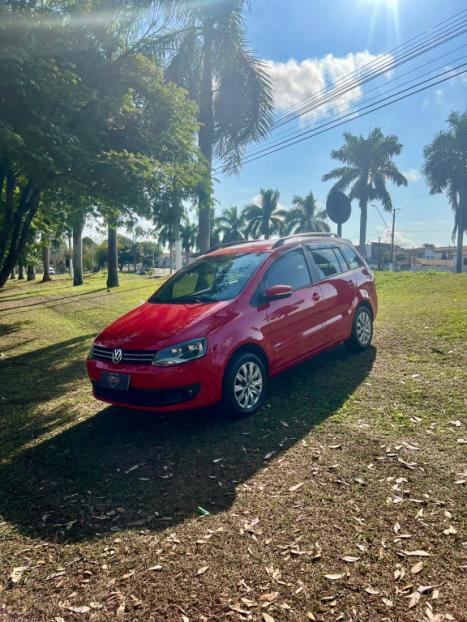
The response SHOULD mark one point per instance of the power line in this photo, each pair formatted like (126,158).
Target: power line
(383,64)
(417,69)
(344,118)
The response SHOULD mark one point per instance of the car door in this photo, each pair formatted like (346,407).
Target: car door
(338,291)
(290,328)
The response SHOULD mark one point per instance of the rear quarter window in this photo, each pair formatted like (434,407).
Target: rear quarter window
(351,257)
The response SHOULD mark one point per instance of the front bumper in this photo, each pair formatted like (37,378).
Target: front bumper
(188,386)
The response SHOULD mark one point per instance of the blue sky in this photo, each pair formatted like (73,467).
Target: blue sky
(330,36)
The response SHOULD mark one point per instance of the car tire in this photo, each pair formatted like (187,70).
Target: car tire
(362,330)
(245,384)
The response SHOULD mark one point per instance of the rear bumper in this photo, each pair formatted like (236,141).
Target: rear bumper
(188,386)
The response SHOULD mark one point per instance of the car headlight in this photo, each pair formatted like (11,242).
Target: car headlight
(181,353)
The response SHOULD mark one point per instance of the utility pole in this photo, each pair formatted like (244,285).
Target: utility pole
(392,235)
(379,252)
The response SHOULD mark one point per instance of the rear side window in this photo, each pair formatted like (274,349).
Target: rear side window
(326,261)
(290,270)
(351,257)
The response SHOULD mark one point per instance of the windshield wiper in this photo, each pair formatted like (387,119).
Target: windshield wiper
(192,298)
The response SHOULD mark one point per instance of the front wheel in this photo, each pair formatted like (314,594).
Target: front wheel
(362,330)
(245,384)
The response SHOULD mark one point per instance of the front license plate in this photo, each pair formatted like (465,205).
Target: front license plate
(112,380)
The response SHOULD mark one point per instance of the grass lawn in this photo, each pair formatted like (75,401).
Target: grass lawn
(343,499)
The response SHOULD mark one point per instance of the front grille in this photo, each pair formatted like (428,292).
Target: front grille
(138,357)
(147,397)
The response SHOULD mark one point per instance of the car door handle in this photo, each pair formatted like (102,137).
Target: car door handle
(316,296)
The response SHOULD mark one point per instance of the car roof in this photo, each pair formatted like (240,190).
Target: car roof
(261,246)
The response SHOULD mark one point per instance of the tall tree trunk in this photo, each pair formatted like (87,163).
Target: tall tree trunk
(31,273)
(171,257)
(461,225)
(206,139)
(70,254)
(178,247)
(15,229)
(20,271)
(78,226)
(112,274)
(13,273)
(363,225)
(46,261)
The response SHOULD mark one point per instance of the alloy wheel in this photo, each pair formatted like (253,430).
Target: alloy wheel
(364,327)
(248,385)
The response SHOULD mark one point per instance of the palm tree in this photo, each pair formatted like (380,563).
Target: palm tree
(266,218)
(367,167)
(306,215)
(188,233)
(231,87)
(445,169)
(232,224)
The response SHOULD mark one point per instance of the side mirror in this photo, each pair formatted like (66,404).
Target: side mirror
(276,292)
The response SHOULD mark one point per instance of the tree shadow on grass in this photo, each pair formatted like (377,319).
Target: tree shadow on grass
(35,378)
(121,469)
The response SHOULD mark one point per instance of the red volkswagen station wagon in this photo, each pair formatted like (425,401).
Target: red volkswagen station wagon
(220,327)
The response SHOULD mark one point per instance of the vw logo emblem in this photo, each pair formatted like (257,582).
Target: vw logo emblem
(117,355)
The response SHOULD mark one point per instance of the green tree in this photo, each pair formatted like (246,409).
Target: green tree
(266,218)
(232,224)
(445,169)
(78,120)
(305,215)
(368,166)
(230,86)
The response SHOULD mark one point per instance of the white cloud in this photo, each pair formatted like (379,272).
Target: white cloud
(401,240)
(412,174)
(294,81)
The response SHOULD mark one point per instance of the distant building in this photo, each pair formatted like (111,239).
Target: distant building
(421,259)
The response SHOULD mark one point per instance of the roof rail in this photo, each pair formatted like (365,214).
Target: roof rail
(227,244)
(311,234)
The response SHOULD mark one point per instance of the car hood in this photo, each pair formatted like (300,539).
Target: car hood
(155,326)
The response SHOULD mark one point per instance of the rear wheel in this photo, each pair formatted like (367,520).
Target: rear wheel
(362,330)
(245,384)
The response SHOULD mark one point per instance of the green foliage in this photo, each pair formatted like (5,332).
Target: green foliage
(266,218)
(82,117)
(445,166)
(306,215)
(232,224)
(368,166)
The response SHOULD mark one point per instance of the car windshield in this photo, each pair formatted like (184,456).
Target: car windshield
(210,279)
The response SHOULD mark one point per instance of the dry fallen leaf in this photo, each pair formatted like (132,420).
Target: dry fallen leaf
(350,560)
(17,574)
(413,599)
(418,553)
(387,602)
(416,568)
(269,597)
(372,591)
(296,487)
(335,577)
(79,609)
(202,570)
(268,618)
(310,616)
(450,530)
(155,568)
